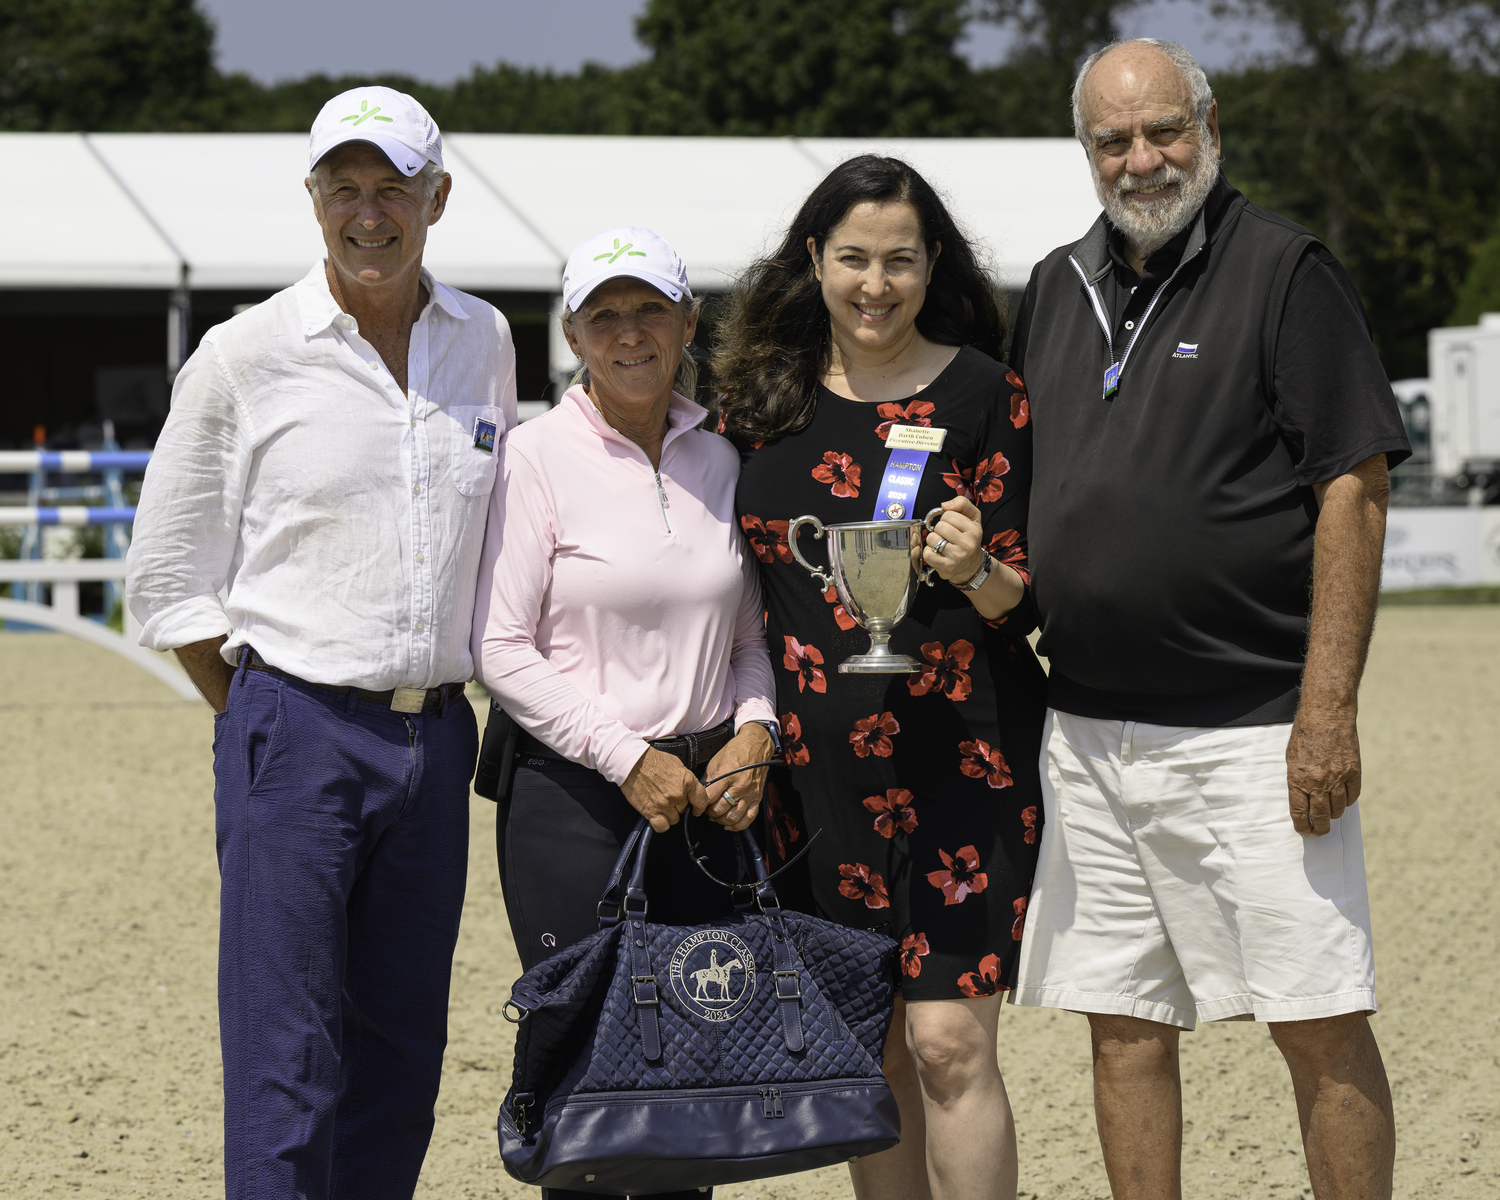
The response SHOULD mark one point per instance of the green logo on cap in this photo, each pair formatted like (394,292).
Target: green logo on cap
(362,116)
(619,250)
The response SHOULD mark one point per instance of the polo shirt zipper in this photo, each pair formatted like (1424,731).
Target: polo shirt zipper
(661,502)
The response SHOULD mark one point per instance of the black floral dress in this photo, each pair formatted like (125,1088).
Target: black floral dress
(924,785)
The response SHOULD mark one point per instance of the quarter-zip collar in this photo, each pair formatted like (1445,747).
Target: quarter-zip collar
(682,415)
(1092,260)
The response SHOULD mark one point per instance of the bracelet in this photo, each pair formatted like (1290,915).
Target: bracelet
(979,577)
(770,727)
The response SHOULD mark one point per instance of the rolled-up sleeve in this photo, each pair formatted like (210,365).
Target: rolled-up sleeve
(515,574)
(188,519)
(749,661)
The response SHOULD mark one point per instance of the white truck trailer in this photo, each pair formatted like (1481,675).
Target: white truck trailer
(1464,397)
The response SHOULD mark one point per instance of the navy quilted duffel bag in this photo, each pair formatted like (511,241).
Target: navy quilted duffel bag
(657,1058)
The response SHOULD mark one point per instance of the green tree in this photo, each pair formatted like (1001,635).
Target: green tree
(104,64)
(1375,133)
(837,68)
(1031,93)
(1480,292)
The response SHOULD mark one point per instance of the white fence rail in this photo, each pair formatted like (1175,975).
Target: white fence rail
(62,613)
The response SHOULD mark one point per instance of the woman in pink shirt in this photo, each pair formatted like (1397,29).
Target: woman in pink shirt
(619,610)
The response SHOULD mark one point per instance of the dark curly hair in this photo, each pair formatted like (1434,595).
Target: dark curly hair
(775,342)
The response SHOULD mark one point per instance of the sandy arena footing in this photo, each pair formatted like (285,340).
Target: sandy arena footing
(109,909)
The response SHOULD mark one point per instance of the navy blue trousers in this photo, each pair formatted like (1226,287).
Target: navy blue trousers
(343,851)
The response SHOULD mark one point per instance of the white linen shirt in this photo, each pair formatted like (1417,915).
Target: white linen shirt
(342,518)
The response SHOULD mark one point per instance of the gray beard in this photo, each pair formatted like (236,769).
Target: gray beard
(1149,230)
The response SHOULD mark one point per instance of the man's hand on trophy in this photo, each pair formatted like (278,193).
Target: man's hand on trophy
(659,787)
(953,546)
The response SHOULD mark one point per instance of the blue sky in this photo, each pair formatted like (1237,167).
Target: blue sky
(441,40)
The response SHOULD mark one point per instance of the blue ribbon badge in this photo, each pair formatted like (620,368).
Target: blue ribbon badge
(899,484)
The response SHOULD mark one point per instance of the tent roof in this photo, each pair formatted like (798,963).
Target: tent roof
(135,209)
(72,225)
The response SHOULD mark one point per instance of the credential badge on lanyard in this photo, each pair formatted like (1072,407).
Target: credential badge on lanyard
(909,446)
(1112,380)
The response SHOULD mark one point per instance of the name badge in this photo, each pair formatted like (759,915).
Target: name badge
(899,484)
(484,436)
(915,437)
(1111,380)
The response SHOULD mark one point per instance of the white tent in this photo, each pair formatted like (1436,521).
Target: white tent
(70,224)
(229,210)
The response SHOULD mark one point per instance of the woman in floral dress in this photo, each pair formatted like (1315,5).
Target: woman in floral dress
(874,314)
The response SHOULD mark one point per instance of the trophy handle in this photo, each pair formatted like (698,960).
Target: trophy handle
(928,523)
(825,581)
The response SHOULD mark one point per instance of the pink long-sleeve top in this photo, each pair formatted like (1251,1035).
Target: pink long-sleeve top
(617,603)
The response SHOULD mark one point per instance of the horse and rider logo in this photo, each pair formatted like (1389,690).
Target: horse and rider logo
(713,974)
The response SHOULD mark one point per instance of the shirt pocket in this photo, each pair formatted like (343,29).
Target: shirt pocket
(477,430)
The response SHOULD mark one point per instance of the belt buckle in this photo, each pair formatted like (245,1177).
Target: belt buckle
(408,700)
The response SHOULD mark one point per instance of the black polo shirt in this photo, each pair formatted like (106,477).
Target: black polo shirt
(1172,539)
(1333,400)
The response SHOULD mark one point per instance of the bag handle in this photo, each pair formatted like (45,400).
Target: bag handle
(611,898)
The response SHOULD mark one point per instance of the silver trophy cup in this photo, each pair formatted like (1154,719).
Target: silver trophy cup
(874,567)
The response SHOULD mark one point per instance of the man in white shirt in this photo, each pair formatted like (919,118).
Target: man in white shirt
(308,542)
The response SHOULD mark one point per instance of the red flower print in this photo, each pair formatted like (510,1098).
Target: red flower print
(1020,407)
(1016,930)
(987,485)
(861,883)
(892,811)
(841,471)
(913,947)
(806,661)
(945,671)
(983,982)
(872,735)
(918,412)
(981,484)
(962,876)
(1028,819)
(1006,547)
(784,830)
(840,613)
(792,749)
(978,761)
(960,479)
(767,538)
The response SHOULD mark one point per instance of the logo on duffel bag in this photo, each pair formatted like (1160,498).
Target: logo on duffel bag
(713,974)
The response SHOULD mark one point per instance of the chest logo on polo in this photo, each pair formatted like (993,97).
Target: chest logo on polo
(713,974)
(1186,350)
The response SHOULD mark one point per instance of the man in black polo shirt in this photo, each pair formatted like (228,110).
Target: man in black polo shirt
(1212,436)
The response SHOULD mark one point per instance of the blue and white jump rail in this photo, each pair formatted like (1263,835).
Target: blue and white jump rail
(73,462)
(65,576)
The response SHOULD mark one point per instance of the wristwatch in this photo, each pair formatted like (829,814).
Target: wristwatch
(979,576)
(770,727)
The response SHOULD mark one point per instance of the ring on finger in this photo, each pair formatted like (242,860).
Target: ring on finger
(727,798)
(942,544)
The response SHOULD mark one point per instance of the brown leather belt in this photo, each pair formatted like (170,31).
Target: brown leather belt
(407,700)
(693,750)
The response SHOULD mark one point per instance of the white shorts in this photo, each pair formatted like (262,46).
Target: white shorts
(1171,885)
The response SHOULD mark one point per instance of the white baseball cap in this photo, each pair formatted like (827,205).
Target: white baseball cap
(389,120)
(623,252)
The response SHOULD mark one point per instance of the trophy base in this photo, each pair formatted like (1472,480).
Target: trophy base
(879,664)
